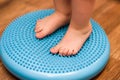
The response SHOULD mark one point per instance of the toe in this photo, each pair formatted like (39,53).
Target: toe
(70,52)
(37,24)
(75,52)
(54,50)
(61,51)
(38,29)
(41,34)
(65,52)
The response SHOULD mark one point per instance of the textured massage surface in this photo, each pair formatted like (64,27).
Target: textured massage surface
(29,58)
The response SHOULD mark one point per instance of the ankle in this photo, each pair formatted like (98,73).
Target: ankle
(66,15)
(80,25)
(82,29)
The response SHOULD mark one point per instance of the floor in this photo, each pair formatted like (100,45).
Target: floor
(107,13)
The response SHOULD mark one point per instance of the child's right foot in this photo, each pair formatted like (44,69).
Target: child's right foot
(49,24)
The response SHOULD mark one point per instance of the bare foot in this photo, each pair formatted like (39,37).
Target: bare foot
(73,40)
(49,24)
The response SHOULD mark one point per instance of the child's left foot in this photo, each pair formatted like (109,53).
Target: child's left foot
(73,40)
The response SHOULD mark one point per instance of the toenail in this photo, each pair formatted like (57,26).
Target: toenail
(35,30)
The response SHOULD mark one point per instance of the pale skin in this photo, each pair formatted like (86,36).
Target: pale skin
(78,13)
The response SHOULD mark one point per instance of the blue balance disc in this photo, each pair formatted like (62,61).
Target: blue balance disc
(29,58)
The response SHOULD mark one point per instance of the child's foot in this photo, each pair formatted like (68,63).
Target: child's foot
(73,40)
(49,24)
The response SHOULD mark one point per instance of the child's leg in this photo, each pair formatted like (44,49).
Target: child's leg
(82,11)
(63,6)
(60,17)
(79,28)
